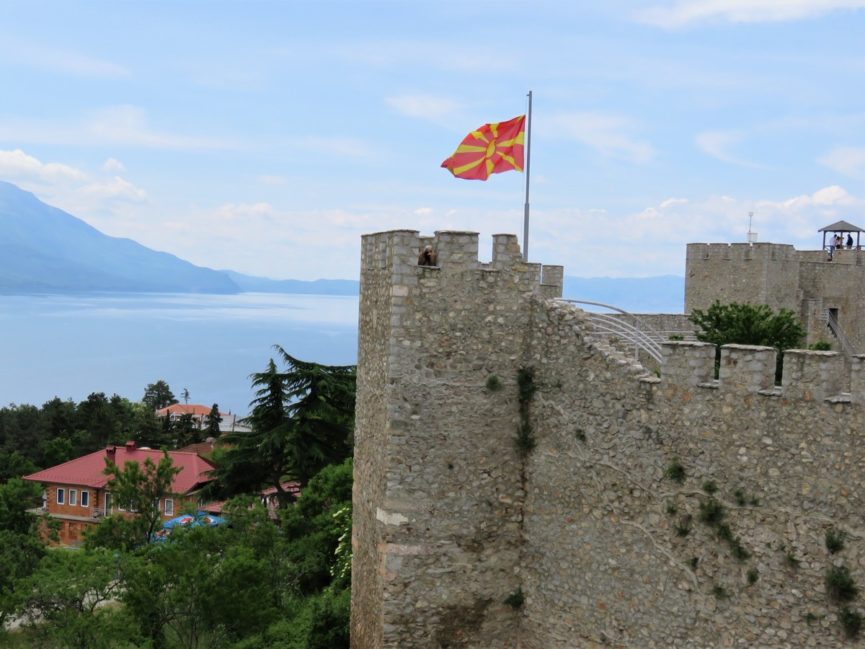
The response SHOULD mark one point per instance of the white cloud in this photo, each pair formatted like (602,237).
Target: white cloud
(687,12)
(849,161)
(113,166)
(119,126)
(718,144)
(115,188)
(423,106)
(67,62)
(18,165)
(91,196)
(609,135)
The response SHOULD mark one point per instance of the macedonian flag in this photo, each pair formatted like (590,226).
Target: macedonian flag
(491,149)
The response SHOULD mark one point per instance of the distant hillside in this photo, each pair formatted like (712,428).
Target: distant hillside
(44,249)
(253,284)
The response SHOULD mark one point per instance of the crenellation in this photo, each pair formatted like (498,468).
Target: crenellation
(857,379)
(746,368)
(506,251)
(687,364)
(812,375)
(457,251)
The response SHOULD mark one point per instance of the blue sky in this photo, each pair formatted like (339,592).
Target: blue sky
(266,137)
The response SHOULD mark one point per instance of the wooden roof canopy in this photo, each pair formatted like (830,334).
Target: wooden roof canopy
(840,227)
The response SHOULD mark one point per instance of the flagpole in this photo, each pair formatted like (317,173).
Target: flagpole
(528,162)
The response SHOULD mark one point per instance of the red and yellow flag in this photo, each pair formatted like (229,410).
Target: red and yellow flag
(491,149)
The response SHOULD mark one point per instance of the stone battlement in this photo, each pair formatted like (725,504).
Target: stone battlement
(807,375)
(742,251)
(396,251)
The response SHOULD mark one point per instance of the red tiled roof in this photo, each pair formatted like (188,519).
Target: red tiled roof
(88,469)
(291,487)
(185,409)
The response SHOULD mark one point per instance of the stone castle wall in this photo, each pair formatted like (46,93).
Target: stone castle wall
(431,565)
(777,275)
(606,549)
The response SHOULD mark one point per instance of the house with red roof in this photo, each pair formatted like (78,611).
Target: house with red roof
(77,494)
(199,414)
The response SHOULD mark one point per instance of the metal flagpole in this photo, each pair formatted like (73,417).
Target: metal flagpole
(528,162)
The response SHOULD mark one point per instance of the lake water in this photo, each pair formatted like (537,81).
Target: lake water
(70,346)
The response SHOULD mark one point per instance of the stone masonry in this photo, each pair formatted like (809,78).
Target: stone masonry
(606,527)
(778,275)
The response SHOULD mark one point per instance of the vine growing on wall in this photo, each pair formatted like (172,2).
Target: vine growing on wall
(526,392)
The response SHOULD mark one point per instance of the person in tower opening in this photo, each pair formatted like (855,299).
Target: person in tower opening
(849,241)
(427,257)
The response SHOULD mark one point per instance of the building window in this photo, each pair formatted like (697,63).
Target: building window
(61,496)
(73,496)
(169,507)
(109,503)
(85,499)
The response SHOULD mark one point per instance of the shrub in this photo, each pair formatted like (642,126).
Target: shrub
(494,383)
(851,622)
(834,541)
(710,487)
(516,599)
(840,585)
(711,512)
(675,472)
(683,528)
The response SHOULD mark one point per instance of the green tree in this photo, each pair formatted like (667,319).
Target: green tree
(302,420)
(139,488)
(205,586)
(158,395)
(20,554)
(16,497)
(748,324)
(62,599)
(20,546)
(314,525)
(212,421)
(185,430)
(14,465)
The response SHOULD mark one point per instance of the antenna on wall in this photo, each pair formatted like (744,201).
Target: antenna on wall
(752,236)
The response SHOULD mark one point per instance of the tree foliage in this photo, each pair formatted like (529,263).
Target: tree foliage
(63,597)
(748,324)
(212,421)
(158,395)
(139,488)
(302,419)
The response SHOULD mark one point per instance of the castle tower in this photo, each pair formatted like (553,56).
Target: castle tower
(438,490)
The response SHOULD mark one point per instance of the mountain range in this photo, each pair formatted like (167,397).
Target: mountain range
(46,250)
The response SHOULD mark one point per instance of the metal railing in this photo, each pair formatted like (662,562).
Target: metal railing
(638,335)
